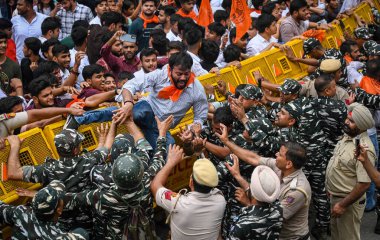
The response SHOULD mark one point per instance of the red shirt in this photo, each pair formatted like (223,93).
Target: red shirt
(11,50)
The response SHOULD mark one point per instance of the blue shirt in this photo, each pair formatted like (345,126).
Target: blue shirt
(192,96)
(22,29)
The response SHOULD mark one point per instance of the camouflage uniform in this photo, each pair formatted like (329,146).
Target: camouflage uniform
(114,208)
(290,86)
(100,175)
(376,15)
(368,45)
(312,137)
(363,33)
(36,222)
(368,100)
(72,171)
(258,222)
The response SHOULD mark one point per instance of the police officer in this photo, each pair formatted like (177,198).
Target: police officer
(125,210)
(346,179)
(295,193)
(39,221)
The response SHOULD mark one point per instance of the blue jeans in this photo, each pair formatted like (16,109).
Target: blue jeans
(143,116)
(101,115)
(371,200)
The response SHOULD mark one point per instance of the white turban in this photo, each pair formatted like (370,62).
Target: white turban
(265,184)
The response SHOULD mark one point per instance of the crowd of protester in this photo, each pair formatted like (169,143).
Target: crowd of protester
(287,161)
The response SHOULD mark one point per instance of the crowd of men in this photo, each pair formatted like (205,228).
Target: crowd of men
(267,158)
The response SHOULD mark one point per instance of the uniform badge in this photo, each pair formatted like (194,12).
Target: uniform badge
(169,195)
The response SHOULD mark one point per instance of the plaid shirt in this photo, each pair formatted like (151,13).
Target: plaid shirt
(68,18)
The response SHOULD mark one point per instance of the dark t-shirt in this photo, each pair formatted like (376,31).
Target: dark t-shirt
(9,70)
(142,34)
(88,92)
(27,73)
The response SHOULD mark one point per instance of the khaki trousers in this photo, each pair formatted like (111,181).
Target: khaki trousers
(347,226)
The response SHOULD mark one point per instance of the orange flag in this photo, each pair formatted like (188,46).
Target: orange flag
(231,88)
(240,16)
(205,16)
(249,80)
(276,70)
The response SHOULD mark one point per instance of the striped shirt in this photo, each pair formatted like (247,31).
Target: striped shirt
(81,12)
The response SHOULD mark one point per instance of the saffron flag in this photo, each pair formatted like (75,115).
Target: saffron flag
(205,16)
(240,16)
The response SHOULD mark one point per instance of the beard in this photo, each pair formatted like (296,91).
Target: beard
(179,84)
(350,132)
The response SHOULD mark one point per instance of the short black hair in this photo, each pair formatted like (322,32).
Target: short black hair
(5,23)
(79,35)
(201,188)
(180,46)
(323,81)
(125,75)
(106,75)
(97,2)
(111,17)
(346,46)
(80,23)
(44,68)
(226,4)
(220,15)
(59,49)
(209,51)
(33,44)
(224,115)
(264,21)
(159,41)
(193,36)
(50,23)
(217,28)
(3,35)
(296,5)
(231,53)
(185,23)
(295,153)
(268,8)
(7,103)
(90,70)
(233,35)
(155,1)
(181,59)
(174,18)
(38,84)
(373,68)
(29,2)
(126,5)
(146,52)
(169,10)
(257,4)
(48,43)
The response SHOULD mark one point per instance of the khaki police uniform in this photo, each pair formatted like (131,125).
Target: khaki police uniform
(342,174)
(193,215)
(308,90)
(295,198)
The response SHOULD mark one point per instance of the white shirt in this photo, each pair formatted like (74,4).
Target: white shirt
(195,215)
(22,29)
(349,4)
(220,62)
(84,62)
(42,39)
(192,96)
(216,5)
(172,37)
(197,68)
(258,44)
(352,72)
(96,20)
(139,80)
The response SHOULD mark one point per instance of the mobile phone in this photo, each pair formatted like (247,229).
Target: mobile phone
(128,38)
(357,146)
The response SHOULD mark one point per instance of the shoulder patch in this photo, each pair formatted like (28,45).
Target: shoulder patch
(169,194)
(289,200)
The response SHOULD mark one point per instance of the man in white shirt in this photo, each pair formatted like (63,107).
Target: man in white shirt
(197,214)
(50,28)
(26,24)
(264,40)
(101,7)
(79,36)
(193,40)
(172,35)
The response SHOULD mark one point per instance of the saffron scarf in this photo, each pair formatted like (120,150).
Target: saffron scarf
(191,15)
(154,19)
(370,85)
(172,92)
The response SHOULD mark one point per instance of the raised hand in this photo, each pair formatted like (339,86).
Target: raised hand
(165,125)
(175,155)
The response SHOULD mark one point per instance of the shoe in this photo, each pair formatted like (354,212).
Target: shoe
(319,233)
(377,228)
(71,123)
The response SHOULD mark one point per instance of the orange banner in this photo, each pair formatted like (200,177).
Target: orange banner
(205,16)
(240,16)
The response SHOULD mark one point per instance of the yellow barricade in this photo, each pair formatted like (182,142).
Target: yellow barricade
(297,47)
(333,38)
(34,149)
(349,24)
(364,11)
(226,74)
